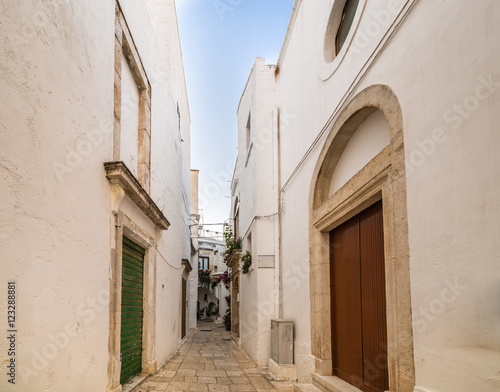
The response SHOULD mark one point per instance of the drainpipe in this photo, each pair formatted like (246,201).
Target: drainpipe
(278,242)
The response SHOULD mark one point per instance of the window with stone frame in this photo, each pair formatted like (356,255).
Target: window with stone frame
(348,14)
(203,263)
(340,24)
(248,130)
(132,108)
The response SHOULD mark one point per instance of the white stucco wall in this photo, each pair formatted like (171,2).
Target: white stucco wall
(456,348)
(154,27)
(192,298)
(256,176)
(370,138)
(53,95)
(193,277)
(445,77)
(221,293)
(57,230)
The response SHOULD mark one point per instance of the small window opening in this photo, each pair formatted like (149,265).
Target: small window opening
(346,23)
(249,132)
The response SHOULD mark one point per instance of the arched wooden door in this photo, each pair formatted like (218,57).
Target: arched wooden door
(359,326)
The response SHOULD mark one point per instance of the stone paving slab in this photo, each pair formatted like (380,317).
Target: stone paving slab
(209,361)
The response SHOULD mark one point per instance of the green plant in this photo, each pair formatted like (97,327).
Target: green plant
(204,278)
(226,279)
(227,321)
(232,243)
(227,317)
(246,260)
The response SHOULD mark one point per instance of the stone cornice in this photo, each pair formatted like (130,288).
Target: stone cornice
(118,173)
(193,248)
(187,265)
(234,260)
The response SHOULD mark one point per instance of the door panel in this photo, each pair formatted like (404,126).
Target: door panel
(132,302)
(373,306)
(358,304)
(346,303)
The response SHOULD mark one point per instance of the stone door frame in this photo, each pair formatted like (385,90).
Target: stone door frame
(126,227)
(384,178)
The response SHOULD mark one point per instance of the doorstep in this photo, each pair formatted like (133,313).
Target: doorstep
(236,340)
(305,388)
(332,384)
(131,384)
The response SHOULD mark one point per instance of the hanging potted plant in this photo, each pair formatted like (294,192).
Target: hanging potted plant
(246,261)
(227,316)
(232,243)
(204,278)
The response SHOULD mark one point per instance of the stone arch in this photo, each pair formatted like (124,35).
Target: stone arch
(383,178)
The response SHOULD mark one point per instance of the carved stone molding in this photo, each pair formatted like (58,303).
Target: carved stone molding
(116,199)
(234,261)
(186,268)
(383,178)
(187,265)
(119,175)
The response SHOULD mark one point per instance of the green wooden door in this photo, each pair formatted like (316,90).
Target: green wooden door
(131,323)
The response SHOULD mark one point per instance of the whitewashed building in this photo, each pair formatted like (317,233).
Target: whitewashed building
(192,299)
(210,258)
(207,255)
(367,191)
(94,191)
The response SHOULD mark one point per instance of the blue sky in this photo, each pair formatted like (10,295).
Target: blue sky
(220,41)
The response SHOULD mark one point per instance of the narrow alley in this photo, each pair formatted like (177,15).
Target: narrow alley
(231,195)
(210,361)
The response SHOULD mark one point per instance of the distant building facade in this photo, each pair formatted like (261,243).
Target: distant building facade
(95,156)
(210,259)
(366,190)
(195,233)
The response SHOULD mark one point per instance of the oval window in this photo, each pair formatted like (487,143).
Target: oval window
(339,25)
(346,23)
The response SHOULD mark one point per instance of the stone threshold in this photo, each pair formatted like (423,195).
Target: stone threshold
(332,384)
(129,385)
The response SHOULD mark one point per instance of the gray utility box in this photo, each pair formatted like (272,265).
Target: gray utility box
(282,342)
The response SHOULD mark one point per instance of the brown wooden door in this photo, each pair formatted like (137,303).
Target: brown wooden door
(359,330)
(346,303)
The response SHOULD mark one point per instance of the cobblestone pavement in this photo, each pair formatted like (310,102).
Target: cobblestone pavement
(209,361)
